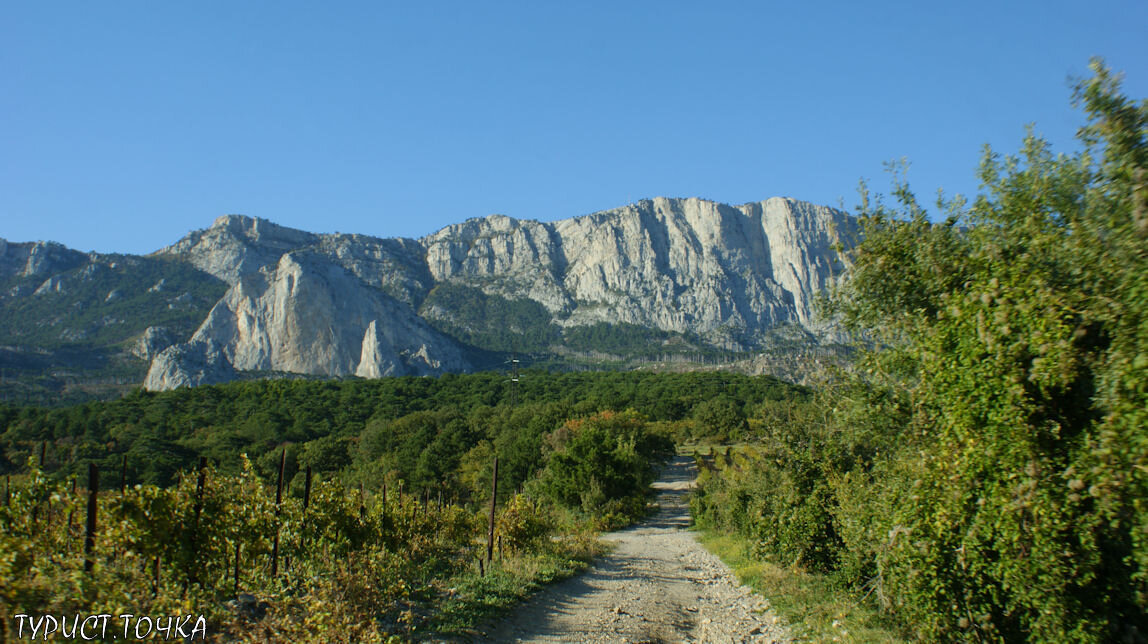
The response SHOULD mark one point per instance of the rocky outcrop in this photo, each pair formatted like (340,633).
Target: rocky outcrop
(237,245)
(395,266)
(36,259)
(189,365)
(502,256)
(310,315)
(346,304)
(151,342)
(685,265)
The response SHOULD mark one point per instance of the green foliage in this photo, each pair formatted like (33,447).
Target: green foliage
(602,464)
(525,524)
(489,322)
(353,557)
(986,479)
(625,340)
(1021,329)
(417,428)
(351,568)
(721,418)
(107,301)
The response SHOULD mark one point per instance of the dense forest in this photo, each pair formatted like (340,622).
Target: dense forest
(421,429)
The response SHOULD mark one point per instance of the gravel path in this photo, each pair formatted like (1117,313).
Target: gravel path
(657,585)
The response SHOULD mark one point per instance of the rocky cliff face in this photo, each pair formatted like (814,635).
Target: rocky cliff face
(346,304)
(685,265)
(28,259)
(235,246)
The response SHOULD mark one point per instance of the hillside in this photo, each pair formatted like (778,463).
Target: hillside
(663,280)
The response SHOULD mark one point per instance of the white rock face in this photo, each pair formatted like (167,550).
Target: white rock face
(188,365)
(503,256)
(30,259)
(384,354)
(395,266)
(151,342)
(54,284)
(345,304)
(309,315)
(237,245)
(685,265)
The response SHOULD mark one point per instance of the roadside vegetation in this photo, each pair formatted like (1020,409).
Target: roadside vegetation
(384,513)
(981,475)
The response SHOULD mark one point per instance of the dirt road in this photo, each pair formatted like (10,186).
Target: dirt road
(658,585)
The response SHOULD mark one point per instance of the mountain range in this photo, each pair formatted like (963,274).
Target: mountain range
(249,298)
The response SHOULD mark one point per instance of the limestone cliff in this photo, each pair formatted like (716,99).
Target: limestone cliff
(236,245)
(685,265)
(27,259)
(346,304)
(310,315)
(189,365)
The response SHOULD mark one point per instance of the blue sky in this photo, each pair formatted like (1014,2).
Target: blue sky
(124,125)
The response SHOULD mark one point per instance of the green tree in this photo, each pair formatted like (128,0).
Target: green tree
(720,418)
(1019,328)
(606,457)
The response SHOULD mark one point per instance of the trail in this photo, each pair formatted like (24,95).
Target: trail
(657,585)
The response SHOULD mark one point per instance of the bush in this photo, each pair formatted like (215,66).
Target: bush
(603,458)
(524,523)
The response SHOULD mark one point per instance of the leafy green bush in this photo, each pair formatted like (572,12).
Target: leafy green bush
(1022,330)
(985,480)
(525,524)
(600,461)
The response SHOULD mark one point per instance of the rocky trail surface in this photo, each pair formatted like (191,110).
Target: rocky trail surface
(657,585)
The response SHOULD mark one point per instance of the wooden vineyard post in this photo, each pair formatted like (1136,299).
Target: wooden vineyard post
(306,504)
(199,483)
(362,503)
(90,532)
(236,589)
(493,501)
(36,506)
(384,494)
(278,501)
(307,489)
(70,513)
(123,474)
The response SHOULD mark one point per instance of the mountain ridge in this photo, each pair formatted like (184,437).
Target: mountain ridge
(338,304)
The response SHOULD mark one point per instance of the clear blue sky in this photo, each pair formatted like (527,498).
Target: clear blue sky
(124,125)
